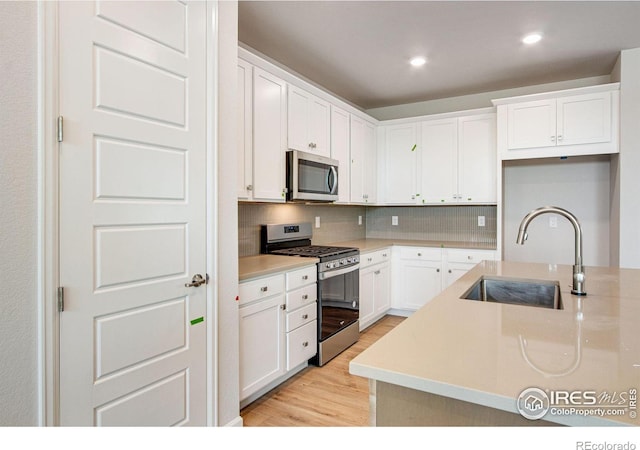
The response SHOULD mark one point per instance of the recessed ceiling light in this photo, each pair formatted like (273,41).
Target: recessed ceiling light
(532,38)
(418,61)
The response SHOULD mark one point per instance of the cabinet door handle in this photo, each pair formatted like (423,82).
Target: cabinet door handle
(553,138)
(559,137)
(449,270)
(369,259)
(305,316)
(377,272)
(264,288)
(305,296)
(438,270)
(283,307)
(305,344)
(305,277)
(419,254)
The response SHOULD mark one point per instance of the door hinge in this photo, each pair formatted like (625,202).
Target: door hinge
(60,135)
(60,299)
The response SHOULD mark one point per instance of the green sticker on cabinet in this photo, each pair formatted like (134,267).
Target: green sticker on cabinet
(413,149)
(198,320)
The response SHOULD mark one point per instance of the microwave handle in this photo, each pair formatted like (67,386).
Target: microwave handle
(332,180)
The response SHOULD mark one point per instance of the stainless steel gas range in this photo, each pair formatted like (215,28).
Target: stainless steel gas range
(338,284)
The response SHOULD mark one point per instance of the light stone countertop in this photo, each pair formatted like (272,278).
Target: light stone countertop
(488,353)
(263,265)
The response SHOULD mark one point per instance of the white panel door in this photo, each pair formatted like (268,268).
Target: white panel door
(132,213)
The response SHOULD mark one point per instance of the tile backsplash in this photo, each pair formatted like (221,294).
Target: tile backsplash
(340,222)
(433,223)
(337,222)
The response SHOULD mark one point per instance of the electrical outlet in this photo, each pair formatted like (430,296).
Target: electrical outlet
(480,221)
(553,222)
(394,220)
(317,221)
(359,220)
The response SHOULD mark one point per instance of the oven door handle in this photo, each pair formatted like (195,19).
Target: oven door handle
(338,272)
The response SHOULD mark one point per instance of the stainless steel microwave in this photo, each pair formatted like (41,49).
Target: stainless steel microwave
(311,178)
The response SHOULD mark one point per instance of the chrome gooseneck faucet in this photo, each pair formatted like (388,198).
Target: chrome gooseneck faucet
(578,269)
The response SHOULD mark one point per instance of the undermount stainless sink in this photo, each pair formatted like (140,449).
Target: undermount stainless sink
(516,291)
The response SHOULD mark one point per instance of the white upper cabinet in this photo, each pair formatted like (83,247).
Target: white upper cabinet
(399,170)
(581,121)
(363,161)
(245,129)
(439,161)
(532,124)
(457,160)
(477,159)
(269,136)
(340,151)
(308,122)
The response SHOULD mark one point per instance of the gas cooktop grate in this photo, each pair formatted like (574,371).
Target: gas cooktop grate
(313,251)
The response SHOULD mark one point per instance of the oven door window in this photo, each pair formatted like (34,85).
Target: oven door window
(339,302)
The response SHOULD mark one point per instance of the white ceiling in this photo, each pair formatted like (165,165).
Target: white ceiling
(360,50)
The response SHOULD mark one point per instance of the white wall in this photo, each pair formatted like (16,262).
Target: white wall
(482,100)
(227,223)
(580,185)
(629,159)
(18,215)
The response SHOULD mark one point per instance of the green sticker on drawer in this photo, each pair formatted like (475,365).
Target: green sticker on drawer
(198,320)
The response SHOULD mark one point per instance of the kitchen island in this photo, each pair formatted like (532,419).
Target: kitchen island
(464,362)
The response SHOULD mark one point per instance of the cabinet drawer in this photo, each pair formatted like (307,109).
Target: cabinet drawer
(301,277)
(301,344)
(421,253)
(371,258)
(261,288)
(469,256)
(301,297)
(301,316)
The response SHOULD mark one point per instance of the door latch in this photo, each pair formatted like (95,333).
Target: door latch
(198,280)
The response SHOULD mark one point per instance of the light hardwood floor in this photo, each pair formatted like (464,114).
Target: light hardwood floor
(321,396)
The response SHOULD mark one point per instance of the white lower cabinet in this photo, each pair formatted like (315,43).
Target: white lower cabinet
(262,337)
(421,273)
(301,344)
(375,286)
(417,276)
(278,328)
(457,262)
